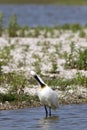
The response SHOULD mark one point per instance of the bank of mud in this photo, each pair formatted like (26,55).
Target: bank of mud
(64,97)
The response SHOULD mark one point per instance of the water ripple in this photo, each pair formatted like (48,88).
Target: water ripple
(67,117)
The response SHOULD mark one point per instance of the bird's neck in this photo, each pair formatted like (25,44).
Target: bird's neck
(39,80)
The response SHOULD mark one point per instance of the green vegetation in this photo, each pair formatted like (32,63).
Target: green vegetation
(1,23)
(13,29)
(5,56)
(46,55)
(63,2)
(73,27)
(17,82)
(10,97)
(13,26)
(79,80)
(77,58)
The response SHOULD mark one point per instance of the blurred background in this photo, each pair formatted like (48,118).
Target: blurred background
(69,2)
(35,13)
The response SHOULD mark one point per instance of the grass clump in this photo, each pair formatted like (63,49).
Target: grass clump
(10,97)
(76,27)
(54,68)
(5,56)
(13,26)
(76,58)
(78,80)
(7,97)
(73,27)
(1,23)
(17,83)
(82,34)
(82,59)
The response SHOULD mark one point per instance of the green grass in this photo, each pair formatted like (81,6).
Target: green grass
(63,2)
(13,96)
(78,80)
(76,59)
(73,27)
(10,97)
(5,56)
(17,82)
(13,29)
(13,26)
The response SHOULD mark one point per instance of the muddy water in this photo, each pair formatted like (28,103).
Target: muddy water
(68,117)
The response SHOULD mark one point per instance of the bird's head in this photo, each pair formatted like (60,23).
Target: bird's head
(33,73)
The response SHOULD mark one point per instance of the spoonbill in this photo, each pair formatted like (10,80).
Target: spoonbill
(47,96)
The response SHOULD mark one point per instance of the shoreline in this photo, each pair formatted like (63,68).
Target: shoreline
(12,106)
(64,98)
(79,2)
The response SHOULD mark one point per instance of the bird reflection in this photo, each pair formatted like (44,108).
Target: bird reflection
(47,123)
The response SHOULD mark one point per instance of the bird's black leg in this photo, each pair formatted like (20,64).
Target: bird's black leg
(49,111)
(46,111)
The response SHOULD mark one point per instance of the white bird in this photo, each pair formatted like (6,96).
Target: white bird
(47,96)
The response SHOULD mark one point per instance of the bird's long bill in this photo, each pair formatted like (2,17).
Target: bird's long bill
(39,80)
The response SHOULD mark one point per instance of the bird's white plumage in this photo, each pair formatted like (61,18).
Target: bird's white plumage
(48,97)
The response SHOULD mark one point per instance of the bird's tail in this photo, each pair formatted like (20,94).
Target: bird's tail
(39,80)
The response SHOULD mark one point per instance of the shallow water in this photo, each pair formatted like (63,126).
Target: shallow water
(68,117)
(45,15)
